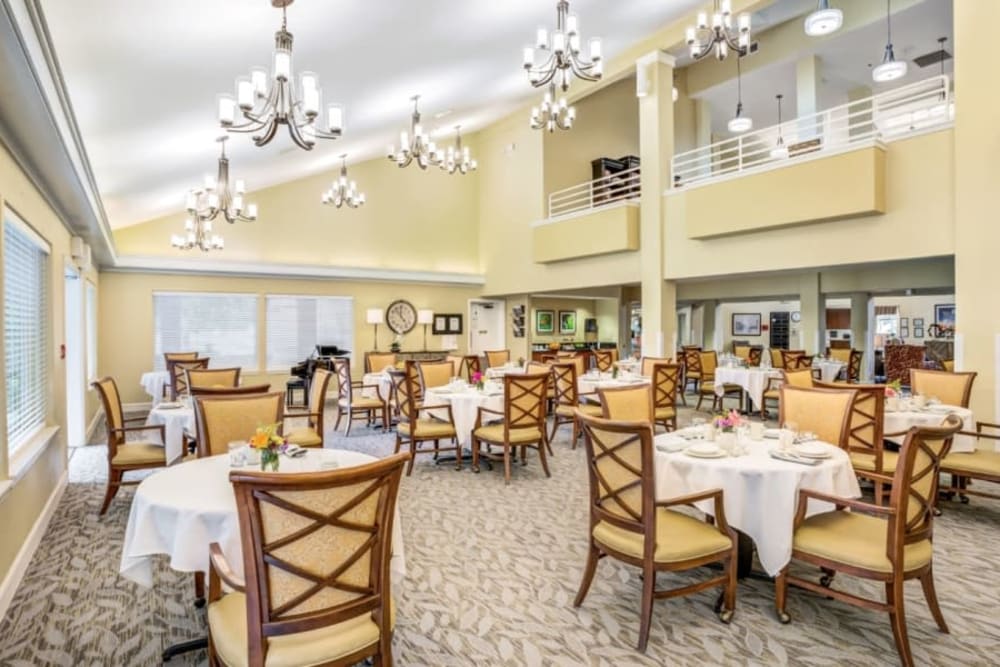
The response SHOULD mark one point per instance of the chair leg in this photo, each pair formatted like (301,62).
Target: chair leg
(646,613)
(114,481)
(399,443)
(350,419)
(700,397)
(927,581)
(897,616)
(458,453)
(475,455)
(506,464)
(543,459)
(413,456)
(555,427)
(593,555)
(576,432)
(340,415)
(781,595)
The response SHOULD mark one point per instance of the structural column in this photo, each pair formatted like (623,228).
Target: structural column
(860,340)
(807,81)
(812,321)
(656,147)
(711,338)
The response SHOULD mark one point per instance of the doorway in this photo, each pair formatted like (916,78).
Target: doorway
(76,381)
(486,326)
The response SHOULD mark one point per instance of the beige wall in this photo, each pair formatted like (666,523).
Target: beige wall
(912,307)
(584,308)
(764,309)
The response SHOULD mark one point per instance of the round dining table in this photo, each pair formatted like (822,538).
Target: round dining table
(590,382)
(153,383)
(753,380)
(465,401)
(177,419)
(908,415)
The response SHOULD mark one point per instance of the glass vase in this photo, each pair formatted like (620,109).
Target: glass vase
(269,460)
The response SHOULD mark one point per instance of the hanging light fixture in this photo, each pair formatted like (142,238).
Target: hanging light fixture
(890,69)
(458,158)
(267,104)
(702,38)
(564,59)
(780,150)
(217,196)
(739,123)
(344,192)
(415,144)
(552,114)
(197,234)
(824,20)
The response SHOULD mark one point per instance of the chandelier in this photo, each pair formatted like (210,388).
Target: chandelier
(457,157)
(217,196)
(739,123)
(890,69)
(564,59)
(415,144)
(266,104)
(780,150)
(197,234)
(719,35)
(343,191)
(552,114)
(824,20)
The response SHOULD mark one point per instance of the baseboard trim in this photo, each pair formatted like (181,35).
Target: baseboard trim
(94,423)
(23,559)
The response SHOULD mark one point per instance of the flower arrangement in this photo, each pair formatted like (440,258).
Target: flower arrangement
(727,423)
(270,443)
(477,379)
(893,389)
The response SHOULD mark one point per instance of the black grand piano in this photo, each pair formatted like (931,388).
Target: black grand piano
(302,372)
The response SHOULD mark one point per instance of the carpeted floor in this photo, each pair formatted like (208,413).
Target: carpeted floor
(492,572)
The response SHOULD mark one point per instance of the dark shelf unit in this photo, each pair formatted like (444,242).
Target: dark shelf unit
(779,331)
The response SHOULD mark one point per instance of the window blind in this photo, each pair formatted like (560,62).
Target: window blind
(91,331)
(297,324)
(220,326)
(26,327)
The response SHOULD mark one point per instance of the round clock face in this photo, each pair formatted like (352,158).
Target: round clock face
(796,316)
(401,316)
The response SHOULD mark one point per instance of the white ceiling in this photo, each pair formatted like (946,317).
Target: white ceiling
(143,77)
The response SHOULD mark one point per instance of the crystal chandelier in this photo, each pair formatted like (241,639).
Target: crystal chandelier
(415,144)
(890,69)
(343,191)
(457,157)
(217,196)
(701,39)
(552,114)
(197,234)
(266,104)
(564,59)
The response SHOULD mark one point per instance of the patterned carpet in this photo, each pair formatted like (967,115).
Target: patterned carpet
(492,572)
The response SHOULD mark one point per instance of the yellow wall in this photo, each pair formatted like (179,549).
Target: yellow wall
(584,308)
(608,230)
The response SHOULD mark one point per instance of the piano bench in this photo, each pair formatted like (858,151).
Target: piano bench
(291,386)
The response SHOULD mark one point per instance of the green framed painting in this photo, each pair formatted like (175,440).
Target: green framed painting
(567,321)
(545,321)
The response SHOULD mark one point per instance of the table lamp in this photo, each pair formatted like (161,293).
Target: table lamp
(425,317)
(374,316)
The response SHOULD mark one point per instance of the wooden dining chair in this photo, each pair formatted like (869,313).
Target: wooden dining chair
(242,390)
(418,425)
(569,399)
(125,456)
(870,459)
(604,360)
(496,358)
(177,372)
(220,420)
(377,362)
(350,404)
(457,362)
(630,525)
(949,388)
(948,365)
(708,362)
(691,367)
(208,378)
(434,374)
(788,358)
(891,544)
(666,381)
(174,356)
(982,464)
(312,433)
(522,425)
(646,365)
(631,403)
(823,412)
(298,603)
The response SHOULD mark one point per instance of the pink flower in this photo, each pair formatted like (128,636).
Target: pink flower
(477,377)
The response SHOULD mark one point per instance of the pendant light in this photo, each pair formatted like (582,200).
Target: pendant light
(739,122)
(890,69)
(780,150)
(824,20)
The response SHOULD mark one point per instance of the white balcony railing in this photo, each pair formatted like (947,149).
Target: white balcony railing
(905,110)
(597,193)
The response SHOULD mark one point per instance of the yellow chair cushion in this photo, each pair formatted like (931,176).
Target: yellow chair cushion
(979,462)
(665,413)
(772,394)
(855,539)
(139,453)
(304,437)
(709,388)
(227,625)
(678,537)
(494,433)
(429,428)
(586,408)
(866,462)
(362,402)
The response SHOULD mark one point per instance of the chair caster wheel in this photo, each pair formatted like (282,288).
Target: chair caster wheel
(825,581)
(475,469)
(726,616)
(717,607)
(784,618)
(199,602)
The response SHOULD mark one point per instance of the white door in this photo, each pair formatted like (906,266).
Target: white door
(76,383)
(486,326)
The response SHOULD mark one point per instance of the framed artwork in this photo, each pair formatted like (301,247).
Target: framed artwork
(918,322)
(567,321)
(545,321)
(447,324)
(918,333)
(904,321)
(746,324)
(944,314)
(904,331)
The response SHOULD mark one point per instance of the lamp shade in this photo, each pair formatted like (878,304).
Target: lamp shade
(374,316)
(425,316)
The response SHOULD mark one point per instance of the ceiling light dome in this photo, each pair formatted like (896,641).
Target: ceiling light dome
(740,123)
(890,69)
(824,20)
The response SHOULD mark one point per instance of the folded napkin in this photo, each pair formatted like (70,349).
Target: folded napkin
(671,444)
(794,458)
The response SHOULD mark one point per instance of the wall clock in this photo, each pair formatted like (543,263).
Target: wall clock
(796,316)
(401,316)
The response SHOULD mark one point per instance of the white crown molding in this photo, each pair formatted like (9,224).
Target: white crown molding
(200,266)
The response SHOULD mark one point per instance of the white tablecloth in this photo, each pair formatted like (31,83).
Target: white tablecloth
(465,404)
(176,422)
(896,422)
(381,380)
(179,511)
(154,382)
(760,493)
(590,383)
(829,370)
(500,371)
(753,381)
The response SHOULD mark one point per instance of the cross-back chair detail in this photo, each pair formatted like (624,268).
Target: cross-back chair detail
(177,372)
(421,422)
(351,404)
(666,380)
(865,441)
(604,360)
(212,378)
(523,425)
(567,398)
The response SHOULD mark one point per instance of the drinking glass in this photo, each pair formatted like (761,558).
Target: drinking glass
(237,454)
(698,426)
(252,455)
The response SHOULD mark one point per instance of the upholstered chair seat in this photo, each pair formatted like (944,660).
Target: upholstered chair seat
(866,462)
(522,424)
(494,433)
(979,463)
(586,408)
(857,540)
(432,428)
(139,453)
(664,414)
(304,437)
(679,537)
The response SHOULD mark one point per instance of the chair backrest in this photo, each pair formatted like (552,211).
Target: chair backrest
(900,359)
(242,390)
(948,365)
(113,416)
(842,354)
(787,357)
(708,361)
(824,412)
(949,388)
(176,371)
(345,391)
(434,373)
(631,404)
(692,360)
(207,378)
(867,418)
(604,360)
(854,365)
(799,362)
(742,350)
(754,357)
(376,362)
(777,361)
(473,365)
(799,378)
(224,419)
(537,367)
(564,378)
(178,356)
(666,381)
(524,398)
(316,548)
(457,362)
(317,398)
(646,367)
(496,358)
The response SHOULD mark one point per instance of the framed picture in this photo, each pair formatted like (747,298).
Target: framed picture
(567,321)
(904,331)
(904,321)
(944,314)
(918,333)
(918,322)
(447,324)
(545,321)
(746,324)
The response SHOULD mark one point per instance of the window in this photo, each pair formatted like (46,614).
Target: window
(26,327)
(91,331)
(887,321)
(297,324)
(222,327)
